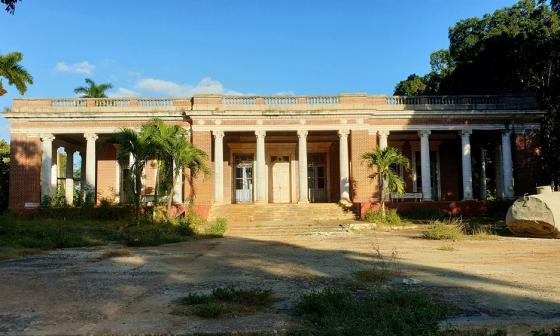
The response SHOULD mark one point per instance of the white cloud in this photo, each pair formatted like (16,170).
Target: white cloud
(285,93)
(172,89)
(124,92)
(84,68)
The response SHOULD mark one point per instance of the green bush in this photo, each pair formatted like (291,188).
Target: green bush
(155,234)
(229,301)
(218,228)
(391,312)
(450,229)
(391,217)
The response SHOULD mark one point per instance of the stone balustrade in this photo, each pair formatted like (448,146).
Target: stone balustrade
(363,100)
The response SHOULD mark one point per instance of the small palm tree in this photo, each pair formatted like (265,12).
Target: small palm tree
(14,72)
(384,161)
(93,90)
(142,149)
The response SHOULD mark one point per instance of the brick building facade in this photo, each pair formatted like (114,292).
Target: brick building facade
(286,149)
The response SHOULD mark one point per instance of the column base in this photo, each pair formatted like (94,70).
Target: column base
(303,202)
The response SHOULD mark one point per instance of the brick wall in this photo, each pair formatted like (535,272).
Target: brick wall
(203,186)
(25,170)
(450,170)
(362,188)
(106,169)
(526,162)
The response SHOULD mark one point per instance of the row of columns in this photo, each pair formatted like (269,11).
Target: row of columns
(260,174)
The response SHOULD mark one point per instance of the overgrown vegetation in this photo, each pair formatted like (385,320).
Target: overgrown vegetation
(24,236)
(225,301)
(333,311)
(454,228)
(376,216)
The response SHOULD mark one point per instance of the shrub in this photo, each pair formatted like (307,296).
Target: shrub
(147,234)
(450,229)
(218,228)
(228,301)
(391,312)
(391,217)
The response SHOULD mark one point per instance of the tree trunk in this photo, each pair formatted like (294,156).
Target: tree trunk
(382,194)
(137,195)
(170,194)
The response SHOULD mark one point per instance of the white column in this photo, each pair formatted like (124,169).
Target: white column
(69,185)
(46,165)
(344,169)
(178,190)
(54,170)
(425,164)
(261,167)
(383,135)
(218,166)
(467,165)
(302,159)
(90,161)
(82,173)
(483,185)
(507,165)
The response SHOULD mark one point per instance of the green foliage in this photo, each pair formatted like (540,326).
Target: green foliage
(148,234)
(93,90)
(218,228)
(4,175)
(60,197)
(449,229)
(10,5)
(225,301)
(14,72)
(46,201)
(542,332)
(391,217)
(513,50)
(392,312)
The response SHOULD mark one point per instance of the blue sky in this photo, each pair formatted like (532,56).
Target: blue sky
(177,48)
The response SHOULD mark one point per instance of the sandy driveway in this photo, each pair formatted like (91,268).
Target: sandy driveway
(71,291)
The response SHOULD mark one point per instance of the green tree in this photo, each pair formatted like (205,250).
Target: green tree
(14,72)
(10,5)
(513,50)
(385,162)
(93,90)
(139,146)
(175,155)
(414,85)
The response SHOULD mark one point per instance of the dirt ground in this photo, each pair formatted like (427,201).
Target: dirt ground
(511,282)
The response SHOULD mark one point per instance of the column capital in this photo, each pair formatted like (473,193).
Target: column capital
(383,132)
(424,133)
(465,132)
(302,133)
(218,134)
(343,133)
(90,136)
(506,132)
(260,133)
(47,137)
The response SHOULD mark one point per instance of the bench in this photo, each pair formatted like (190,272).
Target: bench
(406,196)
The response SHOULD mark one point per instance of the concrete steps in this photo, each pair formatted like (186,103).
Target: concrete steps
(269,220)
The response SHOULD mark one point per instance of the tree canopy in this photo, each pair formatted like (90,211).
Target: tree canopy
(513,50)
(93,90)
(14,72)
(10,5)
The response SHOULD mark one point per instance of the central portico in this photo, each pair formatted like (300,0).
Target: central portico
(271,166)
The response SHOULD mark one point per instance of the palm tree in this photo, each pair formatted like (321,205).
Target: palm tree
(175,154)
(14,72)
(139,146)
(93,90)
(384,161)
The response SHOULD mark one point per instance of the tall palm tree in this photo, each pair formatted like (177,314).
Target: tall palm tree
(139,146)
(384,161)
(14,72)
(93,90)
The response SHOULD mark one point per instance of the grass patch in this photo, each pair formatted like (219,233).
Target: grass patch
(456,229)
(374,276)
(16,252)
(115,253)
(225,301)
(391,312)
(392,218)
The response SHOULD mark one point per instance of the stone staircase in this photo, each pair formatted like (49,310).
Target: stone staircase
(268,220)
